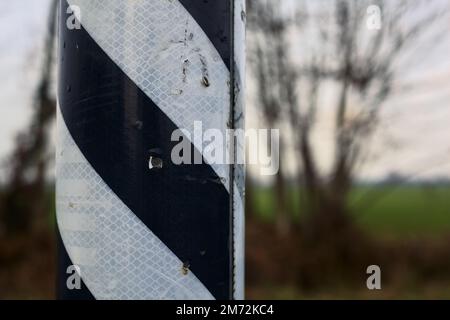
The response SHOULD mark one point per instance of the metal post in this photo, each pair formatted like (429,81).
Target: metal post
(134,223)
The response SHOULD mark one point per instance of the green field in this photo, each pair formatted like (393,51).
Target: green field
(393,210)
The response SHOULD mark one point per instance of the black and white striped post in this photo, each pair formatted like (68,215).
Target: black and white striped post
(132,223)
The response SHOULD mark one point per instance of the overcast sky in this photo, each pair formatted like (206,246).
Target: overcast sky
(22,23)
(421,133)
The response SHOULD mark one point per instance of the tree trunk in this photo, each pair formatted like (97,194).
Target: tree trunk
(326,200)
(283,221)
(249,197)
(282,218)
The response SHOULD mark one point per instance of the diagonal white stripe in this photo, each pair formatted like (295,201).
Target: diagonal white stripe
(119,257)
(160,46)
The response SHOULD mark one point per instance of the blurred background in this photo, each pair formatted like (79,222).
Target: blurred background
(360,91)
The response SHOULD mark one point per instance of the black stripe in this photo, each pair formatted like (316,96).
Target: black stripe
(214,17)
(115,125)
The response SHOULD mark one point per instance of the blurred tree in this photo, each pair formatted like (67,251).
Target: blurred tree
(23,199)
(270,63)
(343,45)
